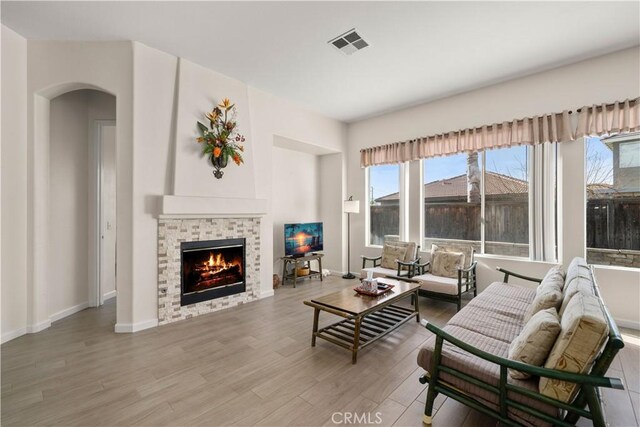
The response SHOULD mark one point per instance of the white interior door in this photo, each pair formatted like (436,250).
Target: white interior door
(107,286)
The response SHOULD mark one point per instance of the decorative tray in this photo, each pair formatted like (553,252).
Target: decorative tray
(382,288)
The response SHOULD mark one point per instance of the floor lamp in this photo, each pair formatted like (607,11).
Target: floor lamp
(350,207)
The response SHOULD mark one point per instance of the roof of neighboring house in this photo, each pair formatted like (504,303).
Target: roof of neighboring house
(495,184)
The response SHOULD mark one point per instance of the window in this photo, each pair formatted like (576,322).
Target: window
(613,200)
(506,209)
(452,199)
(384,202)
(480,199)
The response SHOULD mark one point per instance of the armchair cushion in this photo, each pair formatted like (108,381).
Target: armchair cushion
(439,284)
(390,253)
(467,250)
(446,264)
(533,344)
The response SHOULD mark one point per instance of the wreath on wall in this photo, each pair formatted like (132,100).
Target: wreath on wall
(220,140)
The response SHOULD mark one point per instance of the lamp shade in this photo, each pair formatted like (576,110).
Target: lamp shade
(352,206)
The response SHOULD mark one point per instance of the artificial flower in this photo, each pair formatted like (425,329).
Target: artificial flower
(217,151)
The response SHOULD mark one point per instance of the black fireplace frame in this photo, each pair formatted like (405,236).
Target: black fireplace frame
(218,292)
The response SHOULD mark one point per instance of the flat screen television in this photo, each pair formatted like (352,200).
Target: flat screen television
(300,239)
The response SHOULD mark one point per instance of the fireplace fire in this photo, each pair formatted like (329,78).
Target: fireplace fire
(212,269)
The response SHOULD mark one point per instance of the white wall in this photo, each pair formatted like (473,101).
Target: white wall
(604,79)
(157,104)
(14,184)
(333,180)
(296,194)
(272,116)
(73,197)
(169,97)
(155,109)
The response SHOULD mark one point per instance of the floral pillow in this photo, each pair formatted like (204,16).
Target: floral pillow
(390,254)
(446,264)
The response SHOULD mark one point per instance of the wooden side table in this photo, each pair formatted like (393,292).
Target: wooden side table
(305,261)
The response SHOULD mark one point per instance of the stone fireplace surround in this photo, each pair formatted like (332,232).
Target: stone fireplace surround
(173,230)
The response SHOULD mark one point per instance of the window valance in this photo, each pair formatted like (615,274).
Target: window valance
(556,127)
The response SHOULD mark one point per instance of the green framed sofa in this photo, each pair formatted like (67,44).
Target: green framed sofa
(468,359)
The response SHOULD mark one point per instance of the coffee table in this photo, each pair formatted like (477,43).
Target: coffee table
(366,318)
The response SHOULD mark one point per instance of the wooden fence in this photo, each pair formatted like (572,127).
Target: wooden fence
(611,223)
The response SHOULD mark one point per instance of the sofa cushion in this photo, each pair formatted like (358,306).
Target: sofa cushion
(533,344)
(584,332)
(446,264)
(467,250)
(577,268)
(497,312)
(489,372)
(441,285)
(579,284)
(548,293)
(391,253)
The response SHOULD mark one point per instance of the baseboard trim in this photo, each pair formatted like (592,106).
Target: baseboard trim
(109,295)
(266,294)
(8,336)
(128,328)
(34,329)
(68,311)
(631,324)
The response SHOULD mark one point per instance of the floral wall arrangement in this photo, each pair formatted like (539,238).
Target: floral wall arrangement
(221,139)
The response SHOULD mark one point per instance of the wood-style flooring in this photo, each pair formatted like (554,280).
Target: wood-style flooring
(249,365)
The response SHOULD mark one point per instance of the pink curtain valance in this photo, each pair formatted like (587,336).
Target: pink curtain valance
(609,119)
(556,127)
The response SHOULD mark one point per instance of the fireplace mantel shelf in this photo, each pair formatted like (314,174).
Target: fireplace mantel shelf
(190,206)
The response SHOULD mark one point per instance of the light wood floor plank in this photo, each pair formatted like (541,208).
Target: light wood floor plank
(249,365)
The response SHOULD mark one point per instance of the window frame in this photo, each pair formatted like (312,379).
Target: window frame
(403,184)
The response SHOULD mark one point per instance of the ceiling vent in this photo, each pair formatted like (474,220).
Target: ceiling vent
(349,42)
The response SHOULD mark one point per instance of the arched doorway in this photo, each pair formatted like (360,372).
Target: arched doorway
(72,202)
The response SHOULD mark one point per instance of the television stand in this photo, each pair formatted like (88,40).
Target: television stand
(305,261)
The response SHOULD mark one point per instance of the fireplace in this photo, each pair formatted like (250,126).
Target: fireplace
(211,269)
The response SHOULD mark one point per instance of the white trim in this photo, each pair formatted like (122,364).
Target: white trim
(8,336)
(109,295)
(69,311)
(33,329)
(631,324)
(266,294)
(127,328)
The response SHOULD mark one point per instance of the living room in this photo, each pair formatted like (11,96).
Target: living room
(165,164)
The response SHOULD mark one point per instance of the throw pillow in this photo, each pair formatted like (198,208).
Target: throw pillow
(584,333)
(446,264)
(467,250)
(390,254)
(548,293)
(533,344)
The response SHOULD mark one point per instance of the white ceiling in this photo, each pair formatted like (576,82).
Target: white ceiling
(419,51)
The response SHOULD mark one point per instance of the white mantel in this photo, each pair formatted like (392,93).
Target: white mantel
(208,207)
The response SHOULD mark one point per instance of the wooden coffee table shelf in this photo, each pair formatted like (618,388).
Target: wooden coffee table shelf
(367,318)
